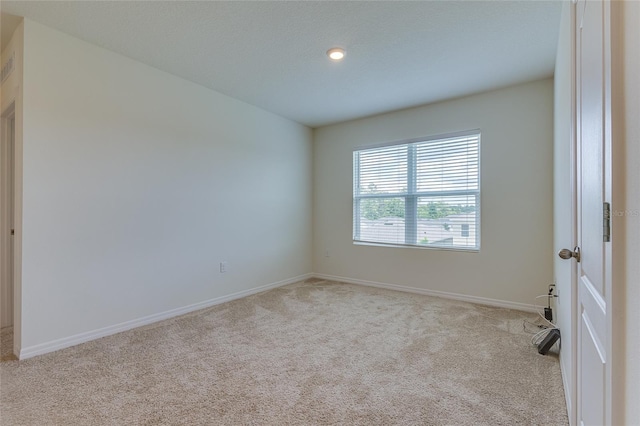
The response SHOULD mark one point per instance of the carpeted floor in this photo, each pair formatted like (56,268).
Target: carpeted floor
(6,347)
(309,353)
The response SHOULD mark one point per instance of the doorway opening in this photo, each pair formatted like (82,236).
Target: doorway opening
(7,226)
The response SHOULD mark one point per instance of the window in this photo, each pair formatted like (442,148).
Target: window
(423,193)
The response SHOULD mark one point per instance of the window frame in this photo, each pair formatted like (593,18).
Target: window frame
(411,196)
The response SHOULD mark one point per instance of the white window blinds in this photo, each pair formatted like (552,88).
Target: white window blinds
(419,193)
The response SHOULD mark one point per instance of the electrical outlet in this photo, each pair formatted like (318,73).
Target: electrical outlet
(326,252)
(223,266)
(553,291)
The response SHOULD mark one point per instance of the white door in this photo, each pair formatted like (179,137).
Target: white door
(593,88)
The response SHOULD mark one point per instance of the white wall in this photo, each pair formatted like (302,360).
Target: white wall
(514,263)
(137,183)
(563,235)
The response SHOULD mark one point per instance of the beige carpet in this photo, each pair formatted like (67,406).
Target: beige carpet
(6,346)
(309,353)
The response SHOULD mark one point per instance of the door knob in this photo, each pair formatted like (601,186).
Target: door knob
(568,254)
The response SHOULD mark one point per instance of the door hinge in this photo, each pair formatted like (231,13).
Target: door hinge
(606,222)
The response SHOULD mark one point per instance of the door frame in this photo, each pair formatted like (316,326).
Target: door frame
(7,201)
(567,283)
(615,154)
(572,395)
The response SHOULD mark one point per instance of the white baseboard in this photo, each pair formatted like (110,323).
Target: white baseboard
(445,295)
(77,339)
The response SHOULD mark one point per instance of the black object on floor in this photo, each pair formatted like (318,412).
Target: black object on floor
(545,345)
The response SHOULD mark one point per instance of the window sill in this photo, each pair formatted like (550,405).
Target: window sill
(439,248)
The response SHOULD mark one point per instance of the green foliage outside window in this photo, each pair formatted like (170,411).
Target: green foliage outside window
(376,208)
(438,210)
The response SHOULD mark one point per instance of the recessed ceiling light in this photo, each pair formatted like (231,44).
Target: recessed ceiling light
(336,54)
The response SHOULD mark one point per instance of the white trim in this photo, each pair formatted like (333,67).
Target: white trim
(418,246)
(77,339)
(443,294)
(411,194)
(567,391)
